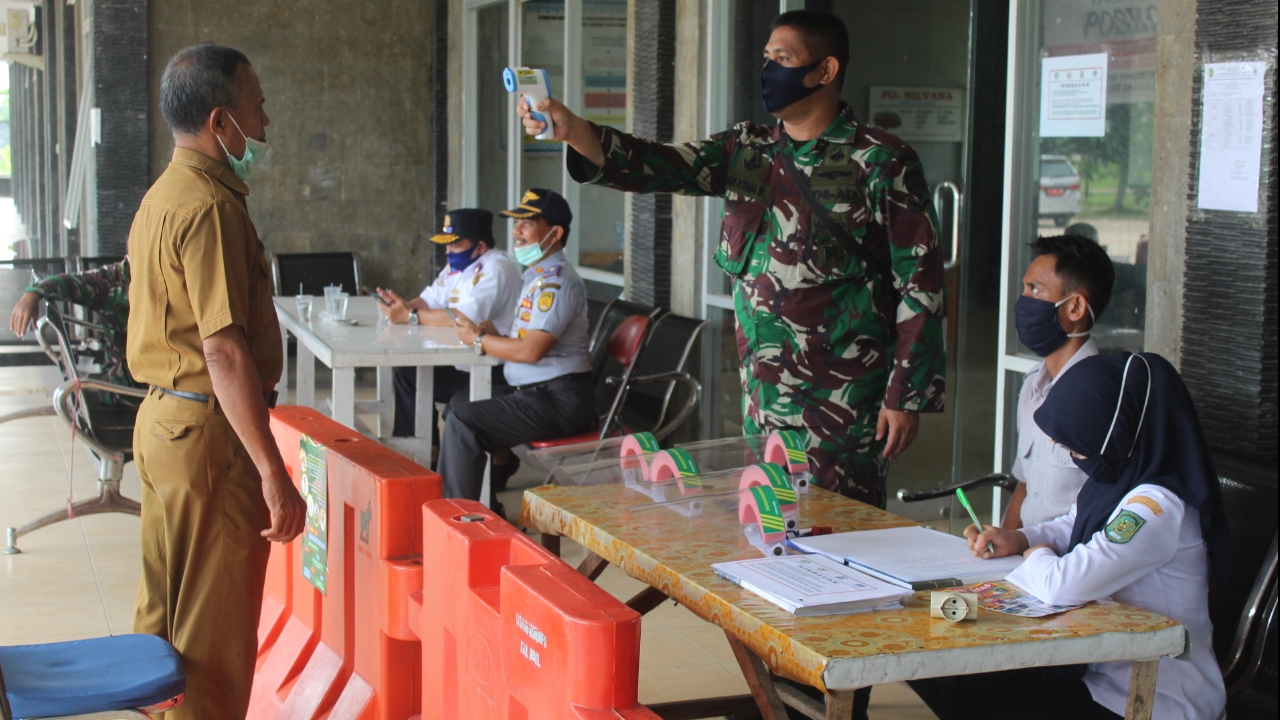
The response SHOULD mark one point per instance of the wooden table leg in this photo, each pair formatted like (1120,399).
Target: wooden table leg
(646,600)
(551,543)
(840,705)
(759,680)
(1142,689)
(592,565)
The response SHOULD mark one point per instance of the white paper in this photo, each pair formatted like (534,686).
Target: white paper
(911,554)
(810,582)
(1231,136)
(919,113)
(1073,96)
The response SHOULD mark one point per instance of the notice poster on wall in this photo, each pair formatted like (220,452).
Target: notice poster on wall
(1073,96)
(1231,136)
(314,462)
(919,113)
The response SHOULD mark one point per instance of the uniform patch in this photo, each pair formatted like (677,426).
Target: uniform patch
(476,279)
(549,286)
(545,300)
(527,303)
(524,316)
(1152,505)
(1124,526)
(521,333)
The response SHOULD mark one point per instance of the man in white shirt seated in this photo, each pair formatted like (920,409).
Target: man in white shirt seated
(479,281)
(1064,291)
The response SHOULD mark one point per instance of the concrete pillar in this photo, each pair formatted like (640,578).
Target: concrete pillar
(690,108)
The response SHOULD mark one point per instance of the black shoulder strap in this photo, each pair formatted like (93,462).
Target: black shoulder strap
(838,231)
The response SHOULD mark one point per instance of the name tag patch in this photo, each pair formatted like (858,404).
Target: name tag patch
(1124,526)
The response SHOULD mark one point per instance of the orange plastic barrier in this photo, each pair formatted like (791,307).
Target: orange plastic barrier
(510,632)
(350,654)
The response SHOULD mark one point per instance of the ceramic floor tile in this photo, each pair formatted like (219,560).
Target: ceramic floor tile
(37,623)
(896,700)
(670,683)
(711,640)
(660,647)
(27,589)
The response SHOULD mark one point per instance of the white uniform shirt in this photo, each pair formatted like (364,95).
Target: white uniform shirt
(486,290)
(1150,555)
(554,300)
(1045,466)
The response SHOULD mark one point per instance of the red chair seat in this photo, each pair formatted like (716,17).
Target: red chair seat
(585,437)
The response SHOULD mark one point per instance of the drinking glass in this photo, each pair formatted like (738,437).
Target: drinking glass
(329,292)
(304,307)
(340,305)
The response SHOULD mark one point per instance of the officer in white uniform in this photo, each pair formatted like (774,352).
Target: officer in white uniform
(479,280)
(1147,529)
(548,367)
(1065,289)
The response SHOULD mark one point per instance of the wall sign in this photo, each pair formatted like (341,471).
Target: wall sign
(919,113)
(1073,96)
(1231,136)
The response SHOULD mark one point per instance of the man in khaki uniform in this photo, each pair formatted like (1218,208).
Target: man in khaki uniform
(203,335)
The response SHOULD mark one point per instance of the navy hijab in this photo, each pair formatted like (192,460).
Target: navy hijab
(1133,419)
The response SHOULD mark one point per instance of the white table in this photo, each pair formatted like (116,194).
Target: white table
(373,342)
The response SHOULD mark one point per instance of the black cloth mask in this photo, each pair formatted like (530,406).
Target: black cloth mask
(781,86)
(1133,419)
(1038,327)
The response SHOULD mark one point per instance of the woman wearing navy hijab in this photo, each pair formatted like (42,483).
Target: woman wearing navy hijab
(1147,529)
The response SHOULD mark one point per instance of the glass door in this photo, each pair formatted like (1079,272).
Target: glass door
(912,76)
(1081,102)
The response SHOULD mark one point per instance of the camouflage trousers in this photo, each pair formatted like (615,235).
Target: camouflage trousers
(846,459)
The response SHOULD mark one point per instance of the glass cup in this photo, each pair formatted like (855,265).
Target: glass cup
(340,305)
(329,292)
(304,307)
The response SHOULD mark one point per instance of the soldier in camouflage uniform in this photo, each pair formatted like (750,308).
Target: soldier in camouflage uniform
(826,345)
(105,291)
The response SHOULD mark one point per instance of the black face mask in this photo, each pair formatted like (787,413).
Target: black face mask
(1037,322)
(782,86)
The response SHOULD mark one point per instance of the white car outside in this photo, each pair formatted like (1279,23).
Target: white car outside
(1059,189)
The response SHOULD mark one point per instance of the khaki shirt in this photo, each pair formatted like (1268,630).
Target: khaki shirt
(198,267)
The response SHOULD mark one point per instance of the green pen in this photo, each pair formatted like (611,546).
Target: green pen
(972,515)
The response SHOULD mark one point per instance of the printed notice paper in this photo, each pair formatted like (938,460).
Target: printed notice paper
(1231,136)
(811,585)
(314,461)
(1073,96)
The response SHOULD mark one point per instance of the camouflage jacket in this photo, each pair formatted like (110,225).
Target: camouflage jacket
(106,292)
(816,350)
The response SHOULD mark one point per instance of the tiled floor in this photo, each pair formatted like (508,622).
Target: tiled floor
(78,578)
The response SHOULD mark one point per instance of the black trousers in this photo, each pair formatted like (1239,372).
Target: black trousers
(1049,693)
(556,408)
(447,381)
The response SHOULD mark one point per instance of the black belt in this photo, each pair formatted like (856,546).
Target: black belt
(268,395)
(571,377)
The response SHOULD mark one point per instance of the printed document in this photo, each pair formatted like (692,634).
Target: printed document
(811,585)
(914,557)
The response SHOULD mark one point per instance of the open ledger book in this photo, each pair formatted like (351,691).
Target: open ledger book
(912,557)
(811,585)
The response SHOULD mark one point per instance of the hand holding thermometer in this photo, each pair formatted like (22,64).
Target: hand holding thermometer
(972,515)
(535,85)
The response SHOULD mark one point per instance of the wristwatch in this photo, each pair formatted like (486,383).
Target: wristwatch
(478,346)
(413,317)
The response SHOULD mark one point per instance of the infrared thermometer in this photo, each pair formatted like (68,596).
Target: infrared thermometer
(535,85)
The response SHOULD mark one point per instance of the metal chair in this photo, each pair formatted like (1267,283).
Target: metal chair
(1243,609)
(659,371)
(1003,480)
(123,677)
(624,346)
(84,263)
(106,428)
(312,272)
(613,315)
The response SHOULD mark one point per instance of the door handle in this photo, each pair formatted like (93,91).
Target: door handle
(957,210)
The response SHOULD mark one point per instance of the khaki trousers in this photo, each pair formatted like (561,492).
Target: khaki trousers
(203,560)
